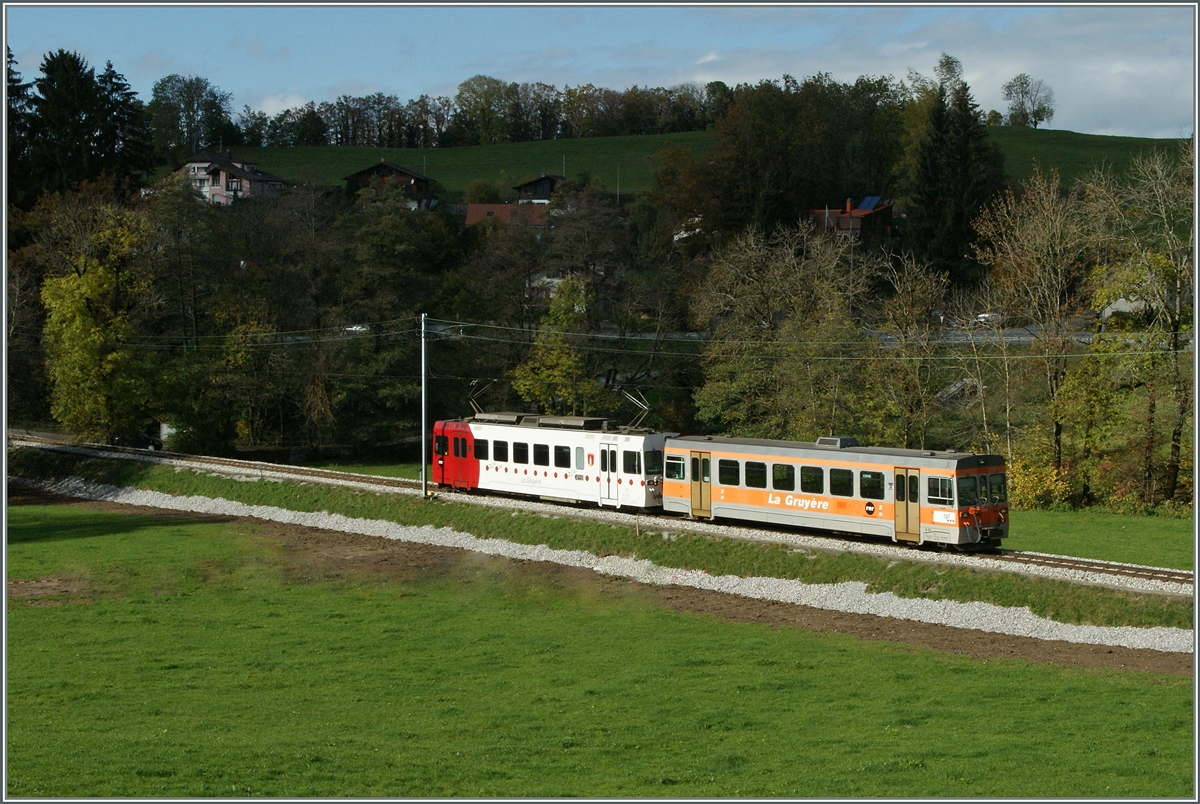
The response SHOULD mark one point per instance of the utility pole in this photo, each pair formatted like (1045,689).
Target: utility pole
(424,427)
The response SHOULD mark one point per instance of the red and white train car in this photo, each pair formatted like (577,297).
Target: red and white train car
(906,495)
(563,458)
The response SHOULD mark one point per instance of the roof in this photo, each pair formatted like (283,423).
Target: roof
(220,160)
(529,214)
(389,165)
(554,179)
(774,447)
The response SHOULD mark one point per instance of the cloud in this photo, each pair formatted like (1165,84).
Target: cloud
(274,104)
(710,57)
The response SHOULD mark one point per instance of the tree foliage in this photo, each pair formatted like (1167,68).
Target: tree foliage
(1030,101)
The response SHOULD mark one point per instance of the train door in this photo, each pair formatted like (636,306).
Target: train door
(701,484)
(908,505)
(459,446)
(609,490)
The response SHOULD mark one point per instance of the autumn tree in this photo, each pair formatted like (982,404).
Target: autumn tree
(92,296)
(784,356)
(1036,246)
(189,114)
(1146,222)
(556,376)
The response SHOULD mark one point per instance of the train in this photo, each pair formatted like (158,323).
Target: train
(909,496)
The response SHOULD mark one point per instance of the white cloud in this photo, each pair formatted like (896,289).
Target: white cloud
(274,104)
(711,57)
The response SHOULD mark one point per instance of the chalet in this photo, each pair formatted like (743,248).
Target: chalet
(416,186)
(221,178)
(871,220)
(538,191)
(508,213)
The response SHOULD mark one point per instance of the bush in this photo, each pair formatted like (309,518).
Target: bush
(1034,487)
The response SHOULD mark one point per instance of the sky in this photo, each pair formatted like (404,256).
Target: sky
(1126,70)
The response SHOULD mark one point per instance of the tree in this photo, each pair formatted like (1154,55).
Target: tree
(1036,246)
(556,375)
(483,103)
(67,112)
(99,382)
(954,171)
(781,361)
(1147,226)
(122,140)
(188,115)
(19,124)
(1030,101)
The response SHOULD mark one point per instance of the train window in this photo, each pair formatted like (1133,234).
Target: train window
(441,445)
(654,459)
(968,491)
(704,469)
(941,492)
(676,468)
(603,459)
(579,457)
(520,452)
(756,475)
(870,485)
(900,487)
(841,482)
(783,477)
(999,492)
(562,457)
(541,454)
(458,450)
(729,473)
(481,449)
(812,480)
(500,451)
(633,462)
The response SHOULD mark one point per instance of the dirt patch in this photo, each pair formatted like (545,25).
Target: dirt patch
(310,554)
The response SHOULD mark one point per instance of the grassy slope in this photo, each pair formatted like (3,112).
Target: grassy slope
(509,163)
(1072,154)
(203,668)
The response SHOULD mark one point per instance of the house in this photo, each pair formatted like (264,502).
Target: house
(508,213)
(871,220)
(539,190)
(221,178)
(416,186)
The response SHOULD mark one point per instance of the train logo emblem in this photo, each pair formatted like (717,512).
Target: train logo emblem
(870,508)
(591,459)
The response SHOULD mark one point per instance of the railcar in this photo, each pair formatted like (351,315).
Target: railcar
(912,496)
(577,459)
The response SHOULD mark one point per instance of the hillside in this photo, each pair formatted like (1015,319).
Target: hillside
(511,163)
(1072,154)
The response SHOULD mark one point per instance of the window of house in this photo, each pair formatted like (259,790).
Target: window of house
(841,482)
(729,473)
(756,475)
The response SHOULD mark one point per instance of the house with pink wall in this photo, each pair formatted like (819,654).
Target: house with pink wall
(221,178)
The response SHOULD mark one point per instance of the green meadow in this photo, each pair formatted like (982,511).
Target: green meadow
(202,659)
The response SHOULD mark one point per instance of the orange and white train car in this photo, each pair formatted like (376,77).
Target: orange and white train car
(906,495)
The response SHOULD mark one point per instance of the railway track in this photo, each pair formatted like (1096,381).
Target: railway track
(1089,571)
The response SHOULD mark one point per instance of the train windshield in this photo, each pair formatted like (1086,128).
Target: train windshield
(654,461)
(999,488)
(968,490)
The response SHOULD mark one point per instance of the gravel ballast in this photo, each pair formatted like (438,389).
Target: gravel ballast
(849,596)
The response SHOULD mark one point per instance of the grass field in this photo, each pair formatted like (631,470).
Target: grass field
(1071,153)
(204,663)
(1056,600)
(510,163)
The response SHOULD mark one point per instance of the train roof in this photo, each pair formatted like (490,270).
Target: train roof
(590,423)
(837,445)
